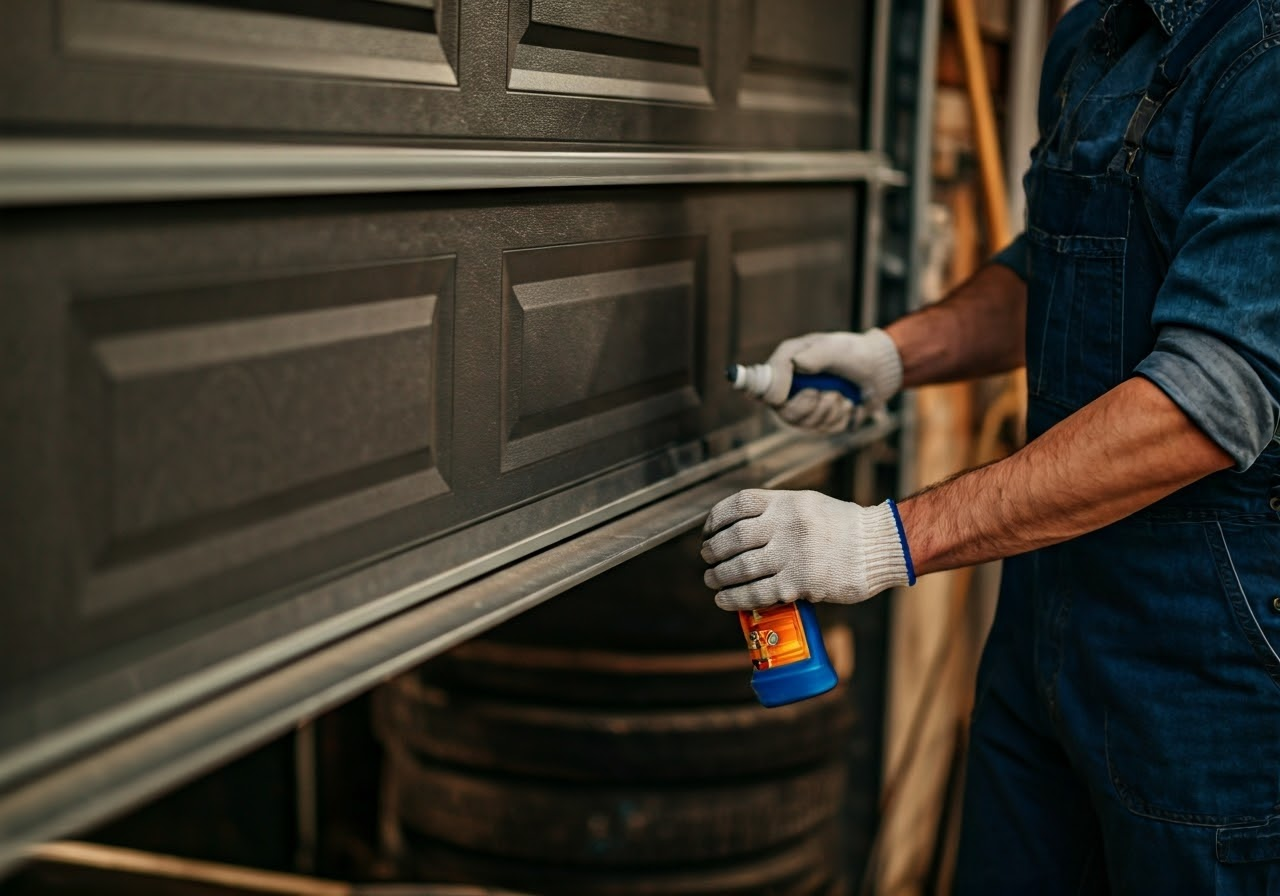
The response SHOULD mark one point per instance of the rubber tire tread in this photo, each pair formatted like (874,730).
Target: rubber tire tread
(610,745)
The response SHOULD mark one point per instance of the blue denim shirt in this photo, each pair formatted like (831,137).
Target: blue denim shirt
(1211,187)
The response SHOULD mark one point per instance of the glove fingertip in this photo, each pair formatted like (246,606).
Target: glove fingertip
(748,596)
(727,603)
(799,407)
(843,416)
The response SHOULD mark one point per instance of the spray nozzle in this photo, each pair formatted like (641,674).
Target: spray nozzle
(754,379)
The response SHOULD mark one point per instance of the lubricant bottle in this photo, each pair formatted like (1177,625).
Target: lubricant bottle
(788,657)
(755,379)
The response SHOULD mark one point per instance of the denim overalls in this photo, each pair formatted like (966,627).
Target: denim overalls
(1126,730)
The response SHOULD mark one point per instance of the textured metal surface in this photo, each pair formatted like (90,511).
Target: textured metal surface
(78,793)
(655,51)
(42,172)
(393,44)
(374,378)
(403,317)
(734,73)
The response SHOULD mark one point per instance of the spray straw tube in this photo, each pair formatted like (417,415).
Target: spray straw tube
(755,379)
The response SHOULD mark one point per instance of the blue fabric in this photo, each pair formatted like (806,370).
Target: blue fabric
(1127,718)
(1126,731)
(902,539)
(1173,14)
(1205,290)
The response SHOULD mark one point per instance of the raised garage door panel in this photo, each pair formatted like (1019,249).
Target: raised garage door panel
(234,420)
(337,66)
(728,73)
(813,269)
(802,68)
(597,338)
(792,277)
(221,402)
(254,418)
(799,59)
(223,406)
(378,40)
(652,51)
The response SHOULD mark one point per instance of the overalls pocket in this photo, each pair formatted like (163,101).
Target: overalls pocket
(1192,690)
(1075,287)
(1246,556)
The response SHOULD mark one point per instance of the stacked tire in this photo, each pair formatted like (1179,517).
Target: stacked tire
(608,743)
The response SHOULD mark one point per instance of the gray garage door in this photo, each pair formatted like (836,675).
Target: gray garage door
(336,331)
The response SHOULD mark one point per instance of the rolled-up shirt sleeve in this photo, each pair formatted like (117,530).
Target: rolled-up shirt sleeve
(1014,256)
(1217,314)
(1217,388)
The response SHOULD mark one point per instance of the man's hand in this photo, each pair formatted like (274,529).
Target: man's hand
(868,359)
(769,547)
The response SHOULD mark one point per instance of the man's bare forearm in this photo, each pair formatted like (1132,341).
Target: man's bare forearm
(976,330)
(1113,457)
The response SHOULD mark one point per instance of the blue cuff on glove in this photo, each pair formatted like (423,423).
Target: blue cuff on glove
(902,539)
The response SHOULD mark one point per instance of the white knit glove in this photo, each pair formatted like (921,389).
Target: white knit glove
(767,547)
(869,359)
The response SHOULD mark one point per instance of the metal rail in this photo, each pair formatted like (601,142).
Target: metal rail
(60,172)
(108,777)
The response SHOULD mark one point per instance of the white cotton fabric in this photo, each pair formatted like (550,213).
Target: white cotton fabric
(869,359)
(766,547)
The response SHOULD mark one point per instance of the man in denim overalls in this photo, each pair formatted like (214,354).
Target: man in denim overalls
(1126,731)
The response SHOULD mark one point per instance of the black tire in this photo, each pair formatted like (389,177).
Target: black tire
(590,677)
(807,867)
(602,745)
(619,825)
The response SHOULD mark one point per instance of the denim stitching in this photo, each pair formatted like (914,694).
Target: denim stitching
(1255,635)
(1118,305)
(1140,807)
(1239,64)
(1228,841)
(1135,804)
(1172,515)
(1096,252)
(1078,245)
(1056,635)
(1044,334)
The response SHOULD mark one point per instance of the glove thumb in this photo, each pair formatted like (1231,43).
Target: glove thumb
(781,364)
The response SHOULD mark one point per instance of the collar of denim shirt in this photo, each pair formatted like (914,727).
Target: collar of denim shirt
(1171,14)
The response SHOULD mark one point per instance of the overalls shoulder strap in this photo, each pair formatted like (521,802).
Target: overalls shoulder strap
(1172,70)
